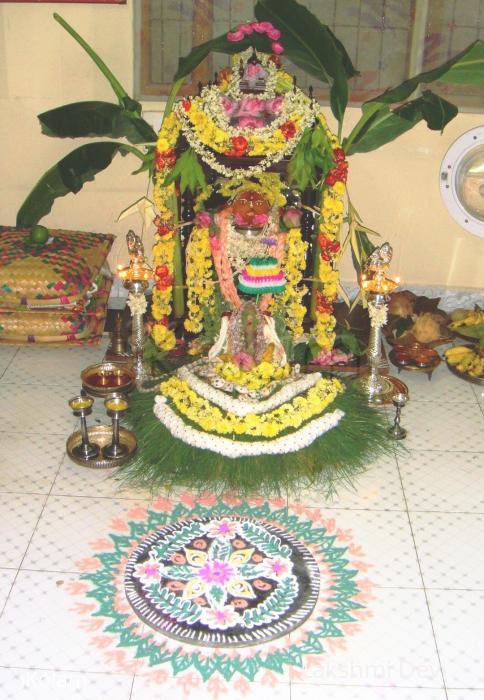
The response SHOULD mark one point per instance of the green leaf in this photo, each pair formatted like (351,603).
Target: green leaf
(118,89)
(376,128)
(312,46)
(465,67)
(68,175)
(81,119)
(189,170)
(364,248)
(220,44)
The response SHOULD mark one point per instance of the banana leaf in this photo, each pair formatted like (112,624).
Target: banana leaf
(312,46)
(466,67)
(380,126)
(124,99)
(69,175)
(82,119)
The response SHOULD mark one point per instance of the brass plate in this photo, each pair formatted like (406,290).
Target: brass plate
(121,378)
(101,435)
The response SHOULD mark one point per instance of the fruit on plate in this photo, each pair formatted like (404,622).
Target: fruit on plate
(466,360)
(472,318)
(401,304)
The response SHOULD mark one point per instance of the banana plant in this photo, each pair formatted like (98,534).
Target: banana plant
(88,119)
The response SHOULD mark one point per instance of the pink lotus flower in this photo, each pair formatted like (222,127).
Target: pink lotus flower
(265,27)
(228,105)
(235,36)
(245,28)
(251,105)
(254,70)
(220,619)
(274,34)
(257,27)
(216,572)
(277,47)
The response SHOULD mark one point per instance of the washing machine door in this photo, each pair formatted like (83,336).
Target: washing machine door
(462,180)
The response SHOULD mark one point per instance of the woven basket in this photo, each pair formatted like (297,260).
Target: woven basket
(83,322)
(59,273)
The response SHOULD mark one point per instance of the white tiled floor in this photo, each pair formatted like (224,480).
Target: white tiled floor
(418,520)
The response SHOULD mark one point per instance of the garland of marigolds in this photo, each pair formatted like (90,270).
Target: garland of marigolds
(326,272)
(189,118)
(164,246)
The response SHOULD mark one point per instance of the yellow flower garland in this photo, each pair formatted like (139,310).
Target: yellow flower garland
(290,301)
(164,244)
(212,419)
(199,278)
(256,378)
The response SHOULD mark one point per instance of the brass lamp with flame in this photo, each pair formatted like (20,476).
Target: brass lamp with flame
(136,277)
(376,286)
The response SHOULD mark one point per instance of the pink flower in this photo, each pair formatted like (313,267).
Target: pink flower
(292,217)
(245,28)
(257,27)
(222,528)
(203,218)
(235,36)
(254,70)
(265,26)
(148,571)
(216,572)
(275,567)
(239,219)
(277,48)
(260,219)
(243,360)
(251,122)
(274,105)
(228,105)
(220,619)
(274,34)
(251,105)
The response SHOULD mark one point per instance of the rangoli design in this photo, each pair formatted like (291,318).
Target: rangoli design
(222,581)
(204,591)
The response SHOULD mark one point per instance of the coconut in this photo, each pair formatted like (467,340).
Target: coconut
(427,327)
(401,304)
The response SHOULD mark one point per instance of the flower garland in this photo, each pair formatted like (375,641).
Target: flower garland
(206,128)
(256,378)
(240,405)
(227,447)
(288,416)
(164,245)
(290,301)
(199,278)
(332,211)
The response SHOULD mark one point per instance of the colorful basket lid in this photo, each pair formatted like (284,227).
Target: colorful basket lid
(58,273)
(262,276)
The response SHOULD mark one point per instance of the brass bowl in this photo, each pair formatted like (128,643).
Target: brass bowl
(108,377)
(102,435)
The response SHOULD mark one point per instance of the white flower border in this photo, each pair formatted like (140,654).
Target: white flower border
(240,407)
(294,442)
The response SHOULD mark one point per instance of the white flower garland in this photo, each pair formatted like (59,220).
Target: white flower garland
(241,407)
(294,442)
(210,159)
(137,303)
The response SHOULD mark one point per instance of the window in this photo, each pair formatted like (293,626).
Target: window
(387,40)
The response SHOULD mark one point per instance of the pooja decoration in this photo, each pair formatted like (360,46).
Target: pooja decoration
(222,582)
(294,561)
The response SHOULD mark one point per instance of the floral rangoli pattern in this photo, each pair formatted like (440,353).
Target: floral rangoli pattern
(222,581)
(131,646)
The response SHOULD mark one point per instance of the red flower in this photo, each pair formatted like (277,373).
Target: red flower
(164,280)
(273,58)
(164,230)
(166,159)
(239,146)
(339,155)
(323,305)
(187,105)
(288,129)
(328,247)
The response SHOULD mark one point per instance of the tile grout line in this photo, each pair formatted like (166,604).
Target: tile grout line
(9,363)
(423,581)
(34,530)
